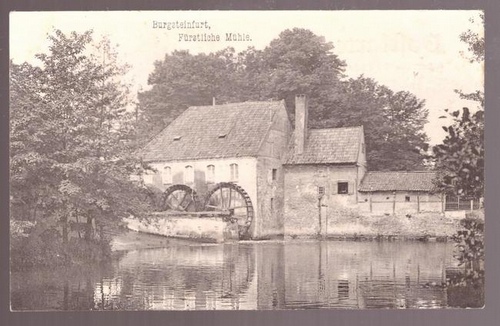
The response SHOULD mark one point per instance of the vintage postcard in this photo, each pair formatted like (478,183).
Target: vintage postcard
(246,160)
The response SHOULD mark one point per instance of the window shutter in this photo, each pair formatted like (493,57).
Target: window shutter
(335,188)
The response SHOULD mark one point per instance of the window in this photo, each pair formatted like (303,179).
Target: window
(210,173)
(343,188)
(407,198)
(321,191)
(167,175)
(189,174)
(274,174)
(363,148)
(272,203)
(234,172)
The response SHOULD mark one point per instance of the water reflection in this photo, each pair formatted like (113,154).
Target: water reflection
(248,276)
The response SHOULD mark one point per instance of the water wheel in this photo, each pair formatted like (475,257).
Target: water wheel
(179,198)
(228,197)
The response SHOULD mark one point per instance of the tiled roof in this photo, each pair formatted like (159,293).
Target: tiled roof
(328,146)
(398,181)
(202,132)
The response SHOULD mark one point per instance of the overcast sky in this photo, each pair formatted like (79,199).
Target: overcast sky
(417,51)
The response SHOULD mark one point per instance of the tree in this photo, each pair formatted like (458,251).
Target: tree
(296,62)
(69,131)
(300,62)
(393,123)
(460,158)
(179,81)
(475,41)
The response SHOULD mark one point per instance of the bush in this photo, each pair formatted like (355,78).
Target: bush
(43,247)
(467,288)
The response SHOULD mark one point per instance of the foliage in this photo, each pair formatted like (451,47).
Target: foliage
(44,247)
(296,62)
(179,81)
(470,254)
(70,135)
(470,244)
(393,123)
(460,158)
(475,42)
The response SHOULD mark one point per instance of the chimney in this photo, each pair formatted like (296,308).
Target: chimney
(300,123)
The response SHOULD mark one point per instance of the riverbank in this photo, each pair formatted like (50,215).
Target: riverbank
(133,240)
(420,227)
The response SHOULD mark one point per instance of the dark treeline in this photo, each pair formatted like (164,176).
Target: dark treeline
(297,62)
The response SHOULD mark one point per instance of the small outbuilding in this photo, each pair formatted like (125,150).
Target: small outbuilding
(399,193)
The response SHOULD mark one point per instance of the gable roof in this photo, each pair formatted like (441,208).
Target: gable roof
(398,181)
(219,131)
(328,146)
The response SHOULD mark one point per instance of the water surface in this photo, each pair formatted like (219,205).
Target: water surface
(248,276)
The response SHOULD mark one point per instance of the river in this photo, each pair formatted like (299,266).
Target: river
(248,276)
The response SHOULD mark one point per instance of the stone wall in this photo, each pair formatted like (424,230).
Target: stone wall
(305,214)
(203,229)
(270,198)
(270,179)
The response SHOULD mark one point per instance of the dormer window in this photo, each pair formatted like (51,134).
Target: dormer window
(222,136)
(176,138)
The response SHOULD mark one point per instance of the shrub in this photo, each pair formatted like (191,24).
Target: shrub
(467,288)
(43,247)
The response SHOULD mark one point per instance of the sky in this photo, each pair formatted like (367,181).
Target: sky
(415,51)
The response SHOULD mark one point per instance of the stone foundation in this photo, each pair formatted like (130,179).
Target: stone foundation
(198,229)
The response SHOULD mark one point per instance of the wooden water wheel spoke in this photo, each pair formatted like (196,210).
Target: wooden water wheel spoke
(237,207)
(235,198)
(221,199)
(214,207)
(179,198)
(183,198)
(170,206)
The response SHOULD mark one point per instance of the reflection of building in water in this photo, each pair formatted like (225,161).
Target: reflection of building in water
(366,275)
(247,276)
(299,275)
(182,278)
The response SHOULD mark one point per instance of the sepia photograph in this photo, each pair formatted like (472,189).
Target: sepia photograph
(246,160)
